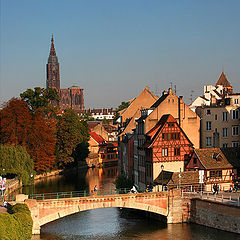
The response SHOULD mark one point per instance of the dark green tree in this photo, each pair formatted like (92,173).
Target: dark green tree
(39,97)
(72,139)
(16,160)
(122,106)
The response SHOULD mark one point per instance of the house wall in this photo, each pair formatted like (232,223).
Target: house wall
(174,166)
(93,146)
(217,125)
(224,182)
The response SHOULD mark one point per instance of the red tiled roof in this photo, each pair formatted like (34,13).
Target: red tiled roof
(99,139)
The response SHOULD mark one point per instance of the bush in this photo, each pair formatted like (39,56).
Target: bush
(18,225)
(123,182)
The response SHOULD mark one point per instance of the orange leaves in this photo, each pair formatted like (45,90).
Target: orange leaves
(19,126)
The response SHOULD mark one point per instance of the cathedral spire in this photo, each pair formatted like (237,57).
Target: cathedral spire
(52,50)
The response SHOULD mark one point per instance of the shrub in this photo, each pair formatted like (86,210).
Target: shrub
(17,225)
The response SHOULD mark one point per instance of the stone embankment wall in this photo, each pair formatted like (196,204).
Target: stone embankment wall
(48,174)
(216,215)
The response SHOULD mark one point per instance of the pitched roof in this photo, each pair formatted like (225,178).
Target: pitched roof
(154,132)
(223,81)
(212,158)
(99,139)
(172,178)
(160,100)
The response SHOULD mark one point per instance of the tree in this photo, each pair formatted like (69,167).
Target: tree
(15,122)
(33,131)
(42,141)
(72,138)
(39,97)
(122,106)
(16,160)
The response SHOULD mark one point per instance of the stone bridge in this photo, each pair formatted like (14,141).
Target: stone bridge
(168,204)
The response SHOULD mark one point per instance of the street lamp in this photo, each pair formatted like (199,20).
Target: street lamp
(162,167)
(180,175)
(31,175)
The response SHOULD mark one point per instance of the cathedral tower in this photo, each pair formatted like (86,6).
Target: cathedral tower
(53,75)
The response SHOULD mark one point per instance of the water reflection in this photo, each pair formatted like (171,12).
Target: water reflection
(107,224)
(75,181)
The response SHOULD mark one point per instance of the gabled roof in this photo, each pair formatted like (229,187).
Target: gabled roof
(212,158)
(154,132)
(99,139)
(160,100)
(223,81)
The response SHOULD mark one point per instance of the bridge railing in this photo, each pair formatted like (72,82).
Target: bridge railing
(72,194)
(231,199)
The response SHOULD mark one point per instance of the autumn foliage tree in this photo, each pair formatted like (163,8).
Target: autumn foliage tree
(20,126)
(41,144)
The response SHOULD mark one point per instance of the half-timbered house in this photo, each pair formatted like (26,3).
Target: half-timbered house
(221,166)
(166,147)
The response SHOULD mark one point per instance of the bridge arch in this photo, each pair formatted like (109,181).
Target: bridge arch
(162,203)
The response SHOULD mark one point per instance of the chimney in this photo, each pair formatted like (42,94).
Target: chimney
(164,92)
(170,90)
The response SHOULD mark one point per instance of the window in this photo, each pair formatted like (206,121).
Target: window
(225,132)
(195,160)
(208,141)
(175,136)
(235,144)
(166,136)
(208,126)
(208,112)
(225,145)
(216,174)
(164,152)
(225,116)
(215,116)
(176,151)
(235,101)
(235,130)
(235,114)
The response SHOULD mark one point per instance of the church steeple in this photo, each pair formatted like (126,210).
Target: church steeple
(53,75)
(52,50)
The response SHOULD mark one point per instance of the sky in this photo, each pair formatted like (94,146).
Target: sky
(114,48)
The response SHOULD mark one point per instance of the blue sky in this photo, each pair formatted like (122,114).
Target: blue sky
(113,49)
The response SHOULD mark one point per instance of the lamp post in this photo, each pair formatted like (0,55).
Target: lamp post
(31,175)
(162,167)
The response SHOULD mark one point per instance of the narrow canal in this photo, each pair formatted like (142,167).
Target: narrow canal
(111,223)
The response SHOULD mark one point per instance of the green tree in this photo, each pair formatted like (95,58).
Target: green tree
(39,97)
(122,106)
(72,138)
(16,160)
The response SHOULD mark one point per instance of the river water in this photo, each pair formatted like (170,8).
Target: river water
(112,223)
